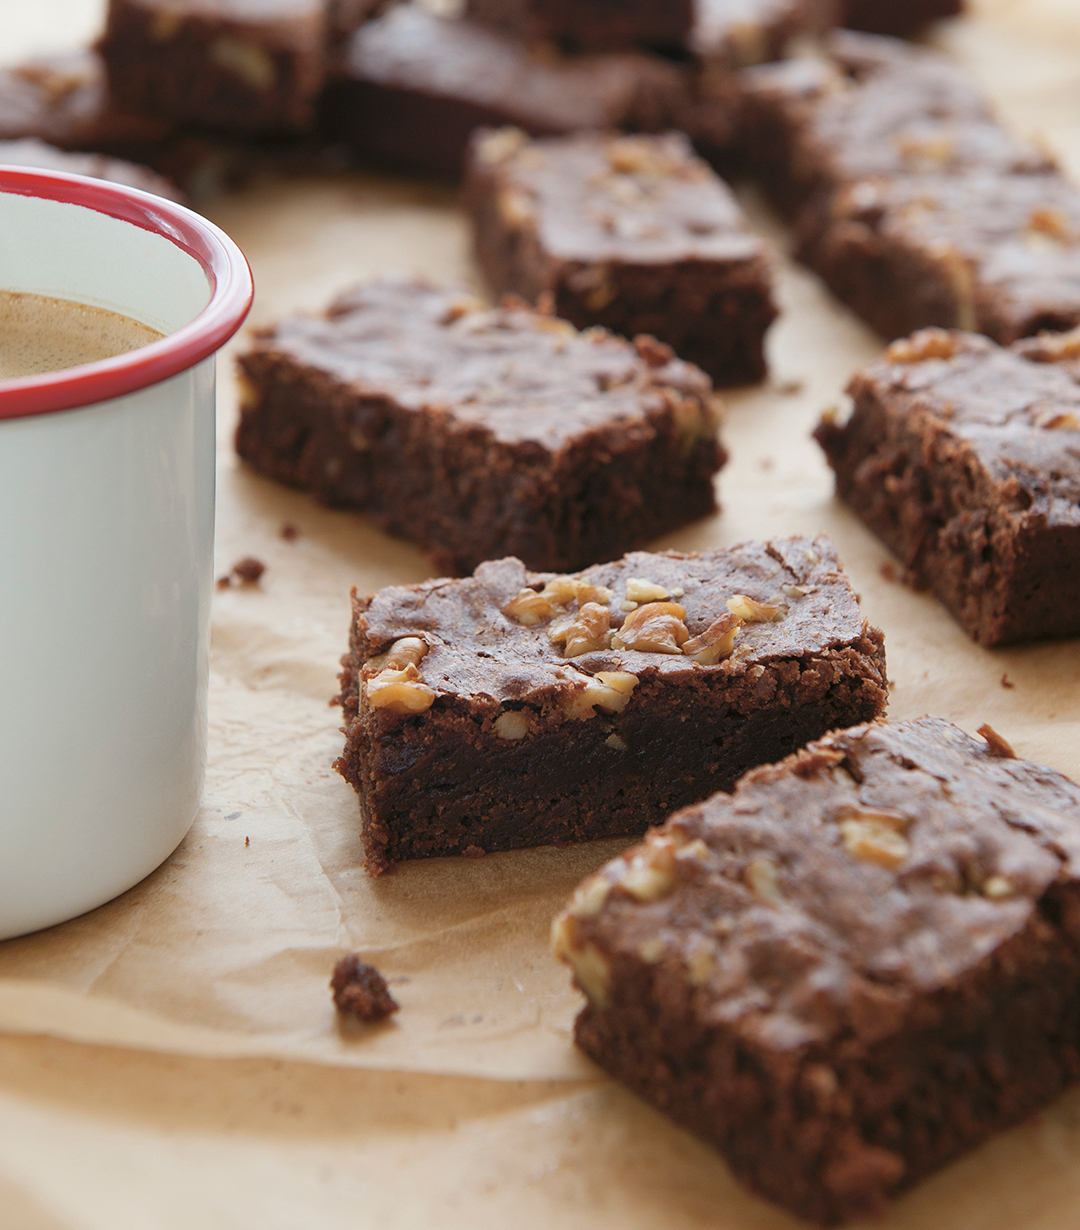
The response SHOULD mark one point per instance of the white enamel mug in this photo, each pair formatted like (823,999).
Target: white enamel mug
(106,545)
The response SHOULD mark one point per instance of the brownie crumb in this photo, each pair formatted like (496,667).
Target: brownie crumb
(1006,682)
(289,531)
(248,570)
(888,572)
(361,991)
(996,744)
(223,582)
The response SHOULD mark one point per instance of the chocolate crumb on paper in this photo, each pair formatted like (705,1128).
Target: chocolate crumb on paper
(360,991)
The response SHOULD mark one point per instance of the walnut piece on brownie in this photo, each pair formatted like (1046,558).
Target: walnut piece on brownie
(514,708)
(964,458)
(360,991)
(480,433)
(859,965)
(633,233)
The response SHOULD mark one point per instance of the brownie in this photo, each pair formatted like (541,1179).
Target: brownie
(413,87)
(33,153)
(870,108)
(632,233)
(229,64)
(360,991)
(856,967)
(599,24)
(728,35)
(901,17)
(481,433)
(964,458)
(515,709)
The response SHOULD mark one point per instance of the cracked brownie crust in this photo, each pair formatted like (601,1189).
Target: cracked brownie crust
(858,966)
(513,709)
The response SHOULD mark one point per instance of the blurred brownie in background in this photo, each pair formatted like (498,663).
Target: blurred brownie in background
(412,87)
(596,24)
(633,233)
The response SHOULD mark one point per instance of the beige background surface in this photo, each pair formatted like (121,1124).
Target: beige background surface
(173,1059)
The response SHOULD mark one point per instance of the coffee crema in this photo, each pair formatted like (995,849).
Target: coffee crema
(39,334)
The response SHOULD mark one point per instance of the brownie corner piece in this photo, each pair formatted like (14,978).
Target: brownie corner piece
(634,233)
(856,967)
(481,433)
(514,708)
(224,63)
(964,458)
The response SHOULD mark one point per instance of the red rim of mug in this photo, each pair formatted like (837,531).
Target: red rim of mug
(226,270)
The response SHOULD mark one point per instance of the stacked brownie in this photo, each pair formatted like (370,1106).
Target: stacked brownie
(910,200)
(631,233)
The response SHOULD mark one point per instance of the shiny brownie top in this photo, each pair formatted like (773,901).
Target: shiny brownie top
(878,106)
(1016,408)
(557,642)
(518,374)
(409,49)
(596,197)
(829,891)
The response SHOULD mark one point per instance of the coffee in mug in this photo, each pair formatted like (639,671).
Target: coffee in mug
(40,334)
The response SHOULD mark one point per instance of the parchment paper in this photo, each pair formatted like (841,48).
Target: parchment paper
(173,1058)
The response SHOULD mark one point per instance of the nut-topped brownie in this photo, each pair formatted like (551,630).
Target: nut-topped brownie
(632,233)
(32,153)
(599,24)
(871,107)
(230,64)
(859,965)
(412,87)
(481,433)
(514,709)
(964,458)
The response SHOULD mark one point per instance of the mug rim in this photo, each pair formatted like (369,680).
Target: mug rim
(225,266)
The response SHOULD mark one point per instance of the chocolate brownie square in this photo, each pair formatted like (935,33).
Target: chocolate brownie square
(871,108)
(964,458)
(632,233)
(413,87)
(515,709)
(481,433)
(856,967)
(597,24)
(224,63)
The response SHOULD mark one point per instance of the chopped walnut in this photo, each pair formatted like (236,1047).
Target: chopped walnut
(926,344)
(591,969)
(650,871)
(399,691)
(763,880)
(638,590)
(934,149)
(588,633)
(796,591)
(617,742)
(251,63)
(997,888)
(530,607)
(996,744)
(515,209)
(654,352)
(1051,223)
(701,965)
(513,724)
(607,690)
(589,899)
(874,835)
(753,612)
(652,950)
(1052,347)
(500,145)
(407,651)
(464,306)
(716,642)
(656,627)
(638,156)
(1056,420)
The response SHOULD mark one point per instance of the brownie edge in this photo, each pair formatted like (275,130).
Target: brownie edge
(858,966)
